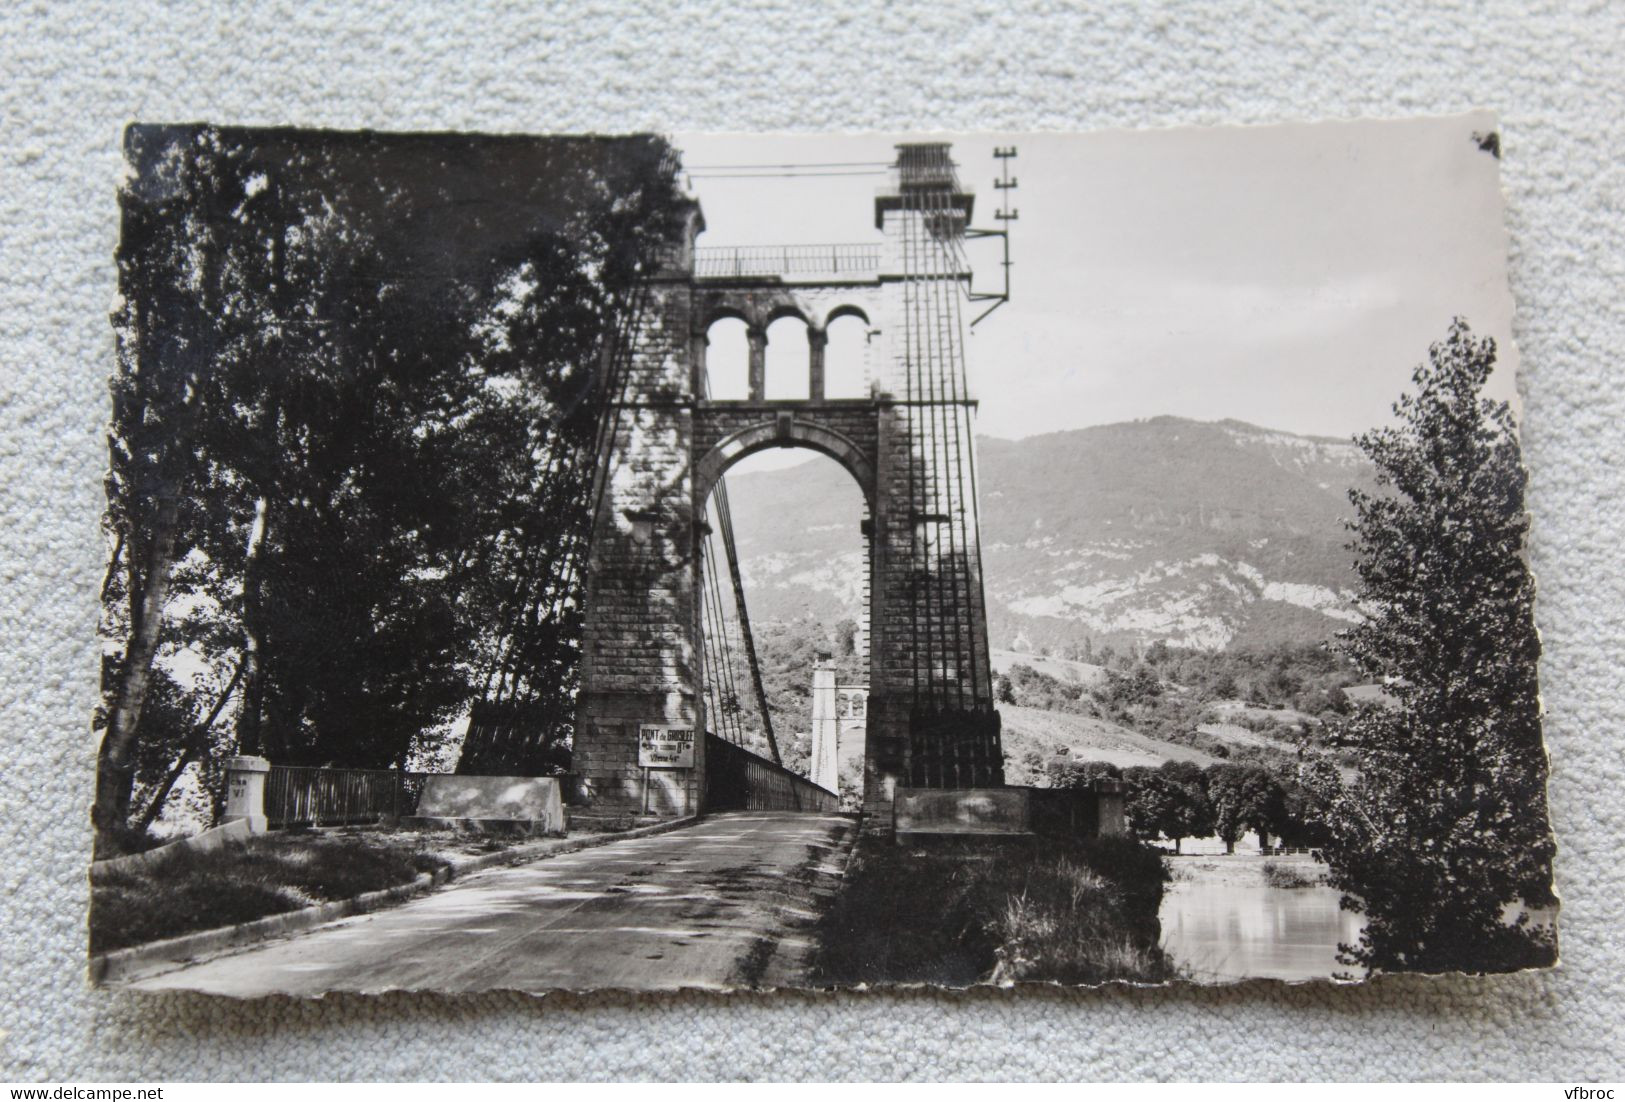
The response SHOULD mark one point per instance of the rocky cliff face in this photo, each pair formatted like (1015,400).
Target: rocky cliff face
(1199,534)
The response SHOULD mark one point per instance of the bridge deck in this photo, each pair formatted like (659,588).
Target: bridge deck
(688,908)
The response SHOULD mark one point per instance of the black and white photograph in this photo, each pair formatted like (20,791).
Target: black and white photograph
(750,562)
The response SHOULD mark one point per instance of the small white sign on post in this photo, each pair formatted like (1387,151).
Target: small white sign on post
(662,747)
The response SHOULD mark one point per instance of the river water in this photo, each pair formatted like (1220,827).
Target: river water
(1222,922)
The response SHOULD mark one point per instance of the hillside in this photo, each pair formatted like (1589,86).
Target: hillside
(1032,731)
(1200,534)
(1063,669)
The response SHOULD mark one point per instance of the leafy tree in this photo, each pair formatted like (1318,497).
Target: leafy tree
(1139,686)
(1003,691)
(174,282)
(846,637)
(1444,828)
(356,376)
(1030,688)
(1244,797)
(1063,772)
(1299,821)
(1169,801)
(1226,787)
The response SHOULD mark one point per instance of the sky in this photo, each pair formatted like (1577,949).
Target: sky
(1289,276)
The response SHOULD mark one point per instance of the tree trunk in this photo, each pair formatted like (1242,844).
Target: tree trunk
(115,759)
(248,716)
(194,744)
(113,561)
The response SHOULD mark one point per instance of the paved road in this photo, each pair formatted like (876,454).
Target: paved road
(725,903)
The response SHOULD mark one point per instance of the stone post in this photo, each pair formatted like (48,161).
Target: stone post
(817,341)
(245,792)
(1110,819)
(697,347)
(758,362)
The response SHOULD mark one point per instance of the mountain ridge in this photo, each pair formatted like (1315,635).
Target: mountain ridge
(1197,533)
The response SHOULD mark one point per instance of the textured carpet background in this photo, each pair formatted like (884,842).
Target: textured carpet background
(75,74)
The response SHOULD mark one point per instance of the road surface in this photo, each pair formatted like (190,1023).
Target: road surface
(728,902)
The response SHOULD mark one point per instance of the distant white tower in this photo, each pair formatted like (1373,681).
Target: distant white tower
(839,719)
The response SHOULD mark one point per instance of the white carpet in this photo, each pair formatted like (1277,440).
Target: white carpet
(75,74)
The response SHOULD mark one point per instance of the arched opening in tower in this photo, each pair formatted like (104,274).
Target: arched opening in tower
(727,360)
(797,519)
(788,360)
(846,358)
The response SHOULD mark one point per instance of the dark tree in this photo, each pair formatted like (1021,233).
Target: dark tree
(359,381)
(179,244)
(1169,801)
(1064,772)
(1444,831)
(1003,691)
(1243,798)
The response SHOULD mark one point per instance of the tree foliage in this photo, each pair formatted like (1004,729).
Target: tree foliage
(1170,801)
(353,371)
(788,651)
(1443,831)
(1179,800)
(1244,798)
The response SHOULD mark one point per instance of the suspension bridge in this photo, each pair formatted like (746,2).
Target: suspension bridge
(668,678)
(647,583)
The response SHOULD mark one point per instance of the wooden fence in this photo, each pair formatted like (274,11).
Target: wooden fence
(298,796)
(738,780)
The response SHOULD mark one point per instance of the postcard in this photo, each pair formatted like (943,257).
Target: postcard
(758,561)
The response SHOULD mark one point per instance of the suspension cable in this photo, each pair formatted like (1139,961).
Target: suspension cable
(937,384)
(955,413)
(713,641)
(729,663)
(919,642)
(747,638)
(937,431)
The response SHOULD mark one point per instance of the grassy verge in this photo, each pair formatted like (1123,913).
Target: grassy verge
(268,875)
(964,912)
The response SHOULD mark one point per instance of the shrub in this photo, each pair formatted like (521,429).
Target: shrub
(1285,876)
(963,912)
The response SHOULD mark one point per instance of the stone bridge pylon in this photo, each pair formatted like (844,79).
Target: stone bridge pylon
(906,441)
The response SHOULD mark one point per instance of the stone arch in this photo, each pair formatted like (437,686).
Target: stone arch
(846,310)
(781,310)
(724,311)
(784,431)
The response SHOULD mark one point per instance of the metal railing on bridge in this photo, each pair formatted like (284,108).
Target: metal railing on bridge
(725,262)
(738,780)
(297,796)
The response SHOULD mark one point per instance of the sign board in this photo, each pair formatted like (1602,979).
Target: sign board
(666,747)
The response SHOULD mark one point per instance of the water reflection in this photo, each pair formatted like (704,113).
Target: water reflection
(1222,922)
